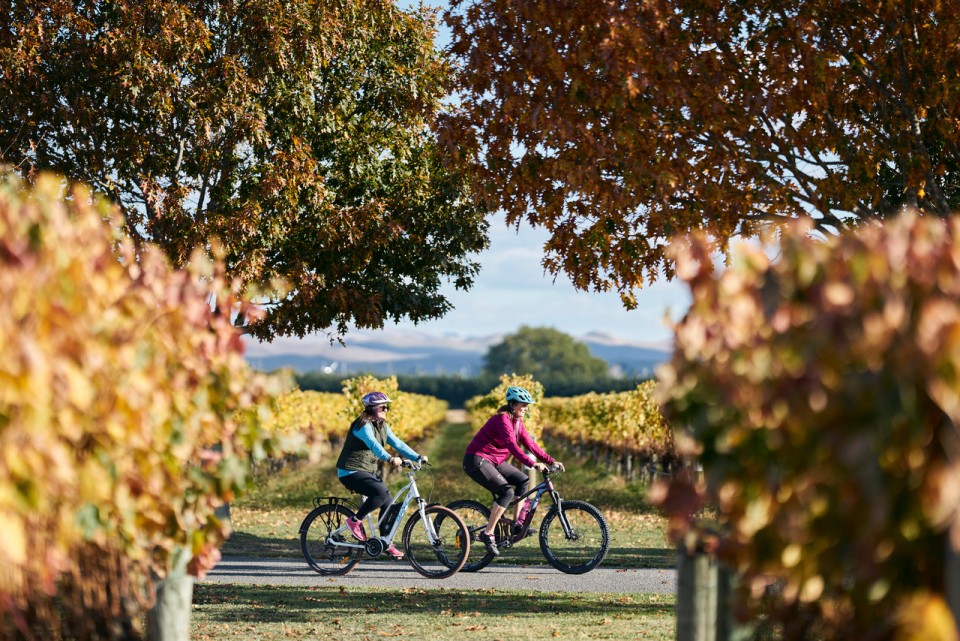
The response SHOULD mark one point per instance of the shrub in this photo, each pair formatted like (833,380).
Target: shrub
(412,416)
(127,412)
(821,394)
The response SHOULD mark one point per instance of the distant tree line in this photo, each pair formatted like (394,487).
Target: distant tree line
(564,366)
(456,390)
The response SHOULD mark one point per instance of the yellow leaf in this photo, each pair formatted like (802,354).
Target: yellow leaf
(791,555)
(925,617)
(14,547)
(80,391)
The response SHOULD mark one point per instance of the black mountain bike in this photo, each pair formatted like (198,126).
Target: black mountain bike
(574,535)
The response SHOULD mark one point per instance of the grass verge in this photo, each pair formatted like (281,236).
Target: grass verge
(268,613)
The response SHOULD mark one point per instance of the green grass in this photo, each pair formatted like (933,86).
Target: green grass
(267,520)
(267,613)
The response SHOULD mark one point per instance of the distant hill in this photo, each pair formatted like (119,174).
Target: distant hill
(389,352)
(633,358)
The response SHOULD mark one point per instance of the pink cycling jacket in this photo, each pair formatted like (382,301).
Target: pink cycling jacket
(499,438)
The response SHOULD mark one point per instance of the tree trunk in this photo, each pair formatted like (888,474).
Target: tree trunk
(169,618)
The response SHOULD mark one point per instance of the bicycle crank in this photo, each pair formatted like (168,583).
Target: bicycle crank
(374,546)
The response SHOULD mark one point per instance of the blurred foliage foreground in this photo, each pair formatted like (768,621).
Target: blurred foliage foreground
(821,394)
(127,415)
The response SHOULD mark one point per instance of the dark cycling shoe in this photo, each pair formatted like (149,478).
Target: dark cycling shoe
(490,543)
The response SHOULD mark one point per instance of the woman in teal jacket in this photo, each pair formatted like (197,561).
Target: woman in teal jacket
(362,450)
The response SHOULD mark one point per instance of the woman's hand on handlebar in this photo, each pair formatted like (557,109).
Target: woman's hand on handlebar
(396,461)
(549,469)
(423,459)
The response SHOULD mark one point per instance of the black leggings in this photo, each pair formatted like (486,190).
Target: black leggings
(499,479)
(370,486)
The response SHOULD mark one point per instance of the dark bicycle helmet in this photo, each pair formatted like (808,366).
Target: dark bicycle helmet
(519,394)
(375,398)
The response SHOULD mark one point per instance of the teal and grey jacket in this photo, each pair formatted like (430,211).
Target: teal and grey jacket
(365,446)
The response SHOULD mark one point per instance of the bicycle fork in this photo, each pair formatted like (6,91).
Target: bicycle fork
(569,532)
(428,525)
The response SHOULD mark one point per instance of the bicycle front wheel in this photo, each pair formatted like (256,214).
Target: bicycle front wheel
(320,540)
(476,516)
(575,538)
(436,547)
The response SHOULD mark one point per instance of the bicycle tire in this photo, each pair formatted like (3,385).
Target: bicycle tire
(476,516)
(315,534)
(444,557)
(591,540)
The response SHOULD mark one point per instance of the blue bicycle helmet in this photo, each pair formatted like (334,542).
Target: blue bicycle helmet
(519,394)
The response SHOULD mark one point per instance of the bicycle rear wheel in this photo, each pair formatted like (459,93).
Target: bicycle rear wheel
(476,516)
(586,544)
(439,547)
(319,539)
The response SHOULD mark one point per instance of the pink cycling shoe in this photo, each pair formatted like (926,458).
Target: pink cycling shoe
(394,552)
(356,528)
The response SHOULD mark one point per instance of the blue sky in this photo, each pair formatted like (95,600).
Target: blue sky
(513,290)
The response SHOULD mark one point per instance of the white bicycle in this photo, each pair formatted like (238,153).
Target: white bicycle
(436,541)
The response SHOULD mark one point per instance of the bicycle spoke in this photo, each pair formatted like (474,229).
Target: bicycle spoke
(320,534)
(576,542)
(475,516)
(436,548)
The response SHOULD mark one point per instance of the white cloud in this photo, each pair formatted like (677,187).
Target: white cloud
(512,290)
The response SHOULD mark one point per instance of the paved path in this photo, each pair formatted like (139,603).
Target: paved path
(268,571)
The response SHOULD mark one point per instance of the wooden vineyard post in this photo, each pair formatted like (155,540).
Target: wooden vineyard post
(705,599)
(952,572)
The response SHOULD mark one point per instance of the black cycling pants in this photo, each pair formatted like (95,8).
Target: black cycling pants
(370,486)
(499,479)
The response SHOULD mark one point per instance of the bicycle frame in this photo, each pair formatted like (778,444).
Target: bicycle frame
(409,492)
(543,487)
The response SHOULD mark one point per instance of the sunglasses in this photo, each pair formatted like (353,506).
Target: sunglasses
(385,408)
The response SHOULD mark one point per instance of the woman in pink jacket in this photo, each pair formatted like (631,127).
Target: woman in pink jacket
(486,459)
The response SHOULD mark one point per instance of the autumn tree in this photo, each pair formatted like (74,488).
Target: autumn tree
(617,125)
(546,354)
(298,133)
